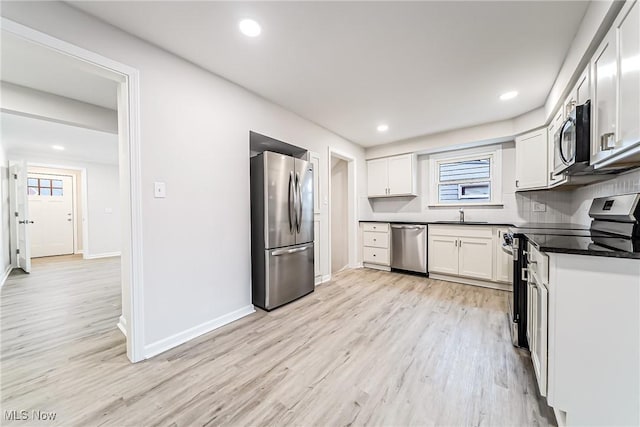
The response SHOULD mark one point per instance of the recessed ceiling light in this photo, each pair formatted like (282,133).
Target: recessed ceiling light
(383,128)
(57,147)
(508,95)
(250,28)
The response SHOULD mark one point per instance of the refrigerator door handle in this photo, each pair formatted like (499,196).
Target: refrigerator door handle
(299,194)
(292,203)
(289,251)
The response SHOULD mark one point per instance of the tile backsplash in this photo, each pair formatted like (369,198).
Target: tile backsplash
(548,206)
(625,183)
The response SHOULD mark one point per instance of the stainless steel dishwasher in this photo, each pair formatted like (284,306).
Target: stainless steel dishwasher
(409,247)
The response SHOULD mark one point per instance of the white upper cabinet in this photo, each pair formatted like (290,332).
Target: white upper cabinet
(616,90)
(580,93)
(553,127)
(392,176)
(377,177)
(629,60)
(532,160)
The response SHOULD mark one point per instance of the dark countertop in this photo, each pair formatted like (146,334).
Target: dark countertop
(596,244)
(488,224)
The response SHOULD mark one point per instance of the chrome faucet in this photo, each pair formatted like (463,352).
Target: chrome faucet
(461,214)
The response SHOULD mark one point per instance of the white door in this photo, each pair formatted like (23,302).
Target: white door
(377,177)
(443,254)
(51,210)
(20,221)
(476,257)
(400,175)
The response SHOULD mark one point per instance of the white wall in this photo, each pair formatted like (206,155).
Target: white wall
(34,103)
(195,137)
(339,214)
(5,237)
(103,193)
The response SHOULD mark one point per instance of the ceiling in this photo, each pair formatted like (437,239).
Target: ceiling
(420,67)
(34,136)
(37,67)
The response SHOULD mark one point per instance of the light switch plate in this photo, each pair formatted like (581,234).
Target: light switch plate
(539,207)
(159,190)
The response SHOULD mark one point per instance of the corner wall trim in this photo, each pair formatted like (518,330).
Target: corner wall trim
(102,255)
(5,275)
(122,325)
(181,337)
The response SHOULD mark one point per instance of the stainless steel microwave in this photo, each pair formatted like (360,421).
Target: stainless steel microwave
(572,142)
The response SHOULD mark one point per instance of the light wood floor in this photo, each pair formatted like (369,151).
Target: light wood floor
(369,348)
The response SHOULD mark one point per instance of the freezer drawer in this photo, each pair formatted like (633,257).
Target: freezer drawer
(409,247)
(289,275)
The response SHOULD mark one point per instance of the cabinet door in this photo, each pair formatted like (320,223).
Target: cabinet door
(551,135)
(629,79)
(443,254)
(377,177)
(603,107)
(531,160)
(401,175)
(583,87)
(504,261)
(476,257)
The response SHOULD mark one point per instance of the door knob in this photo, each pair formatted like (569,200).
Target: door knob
(26,221)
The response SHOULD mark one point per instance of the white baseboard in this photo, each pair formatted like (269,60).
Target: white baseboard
(180,338)
(5,275)
(377,267)
(474,282)
(122,325)
(102,255)
(79,252)
(319,280)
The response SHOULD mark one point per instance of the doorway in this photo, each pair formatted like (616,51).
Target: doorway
(342,211)
(339,215)
(126,81)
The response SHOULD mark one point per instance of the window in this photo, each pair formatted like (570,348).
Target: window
(469,179)
(44,187)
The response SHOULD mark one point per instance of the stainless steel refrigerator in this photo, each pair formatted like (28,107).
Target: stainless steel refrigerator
(281,229)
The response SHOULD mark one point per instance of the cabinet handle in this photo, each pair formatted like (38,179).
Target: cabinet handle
(517,183)
(460,243)
(604,141)
(525,276)
(456,243)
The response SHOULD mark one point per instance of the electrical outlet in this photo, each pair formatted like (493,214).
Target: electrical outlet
(539,207)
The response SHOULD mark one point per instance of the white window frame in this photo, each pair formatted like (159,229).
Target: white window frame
(494,154)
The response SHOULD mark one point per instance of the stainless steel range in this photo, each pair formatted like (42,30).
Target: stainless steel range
(614,231)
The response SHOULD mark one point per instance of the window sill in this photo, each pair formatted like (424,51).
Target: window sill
(466,205)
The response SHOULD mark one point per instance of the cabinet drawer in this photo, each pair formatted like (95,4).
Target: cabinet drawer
(538,264)
(375,226)
(376,255)
(375,239)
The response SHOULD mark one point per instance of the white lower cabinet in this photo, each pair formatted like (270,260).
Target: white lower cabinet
(594,340)
(473,252)
(376,250)
(443,254)
(475,257)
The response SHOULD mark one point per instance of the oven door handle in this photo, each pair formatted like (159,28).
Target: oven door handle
(524,275)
